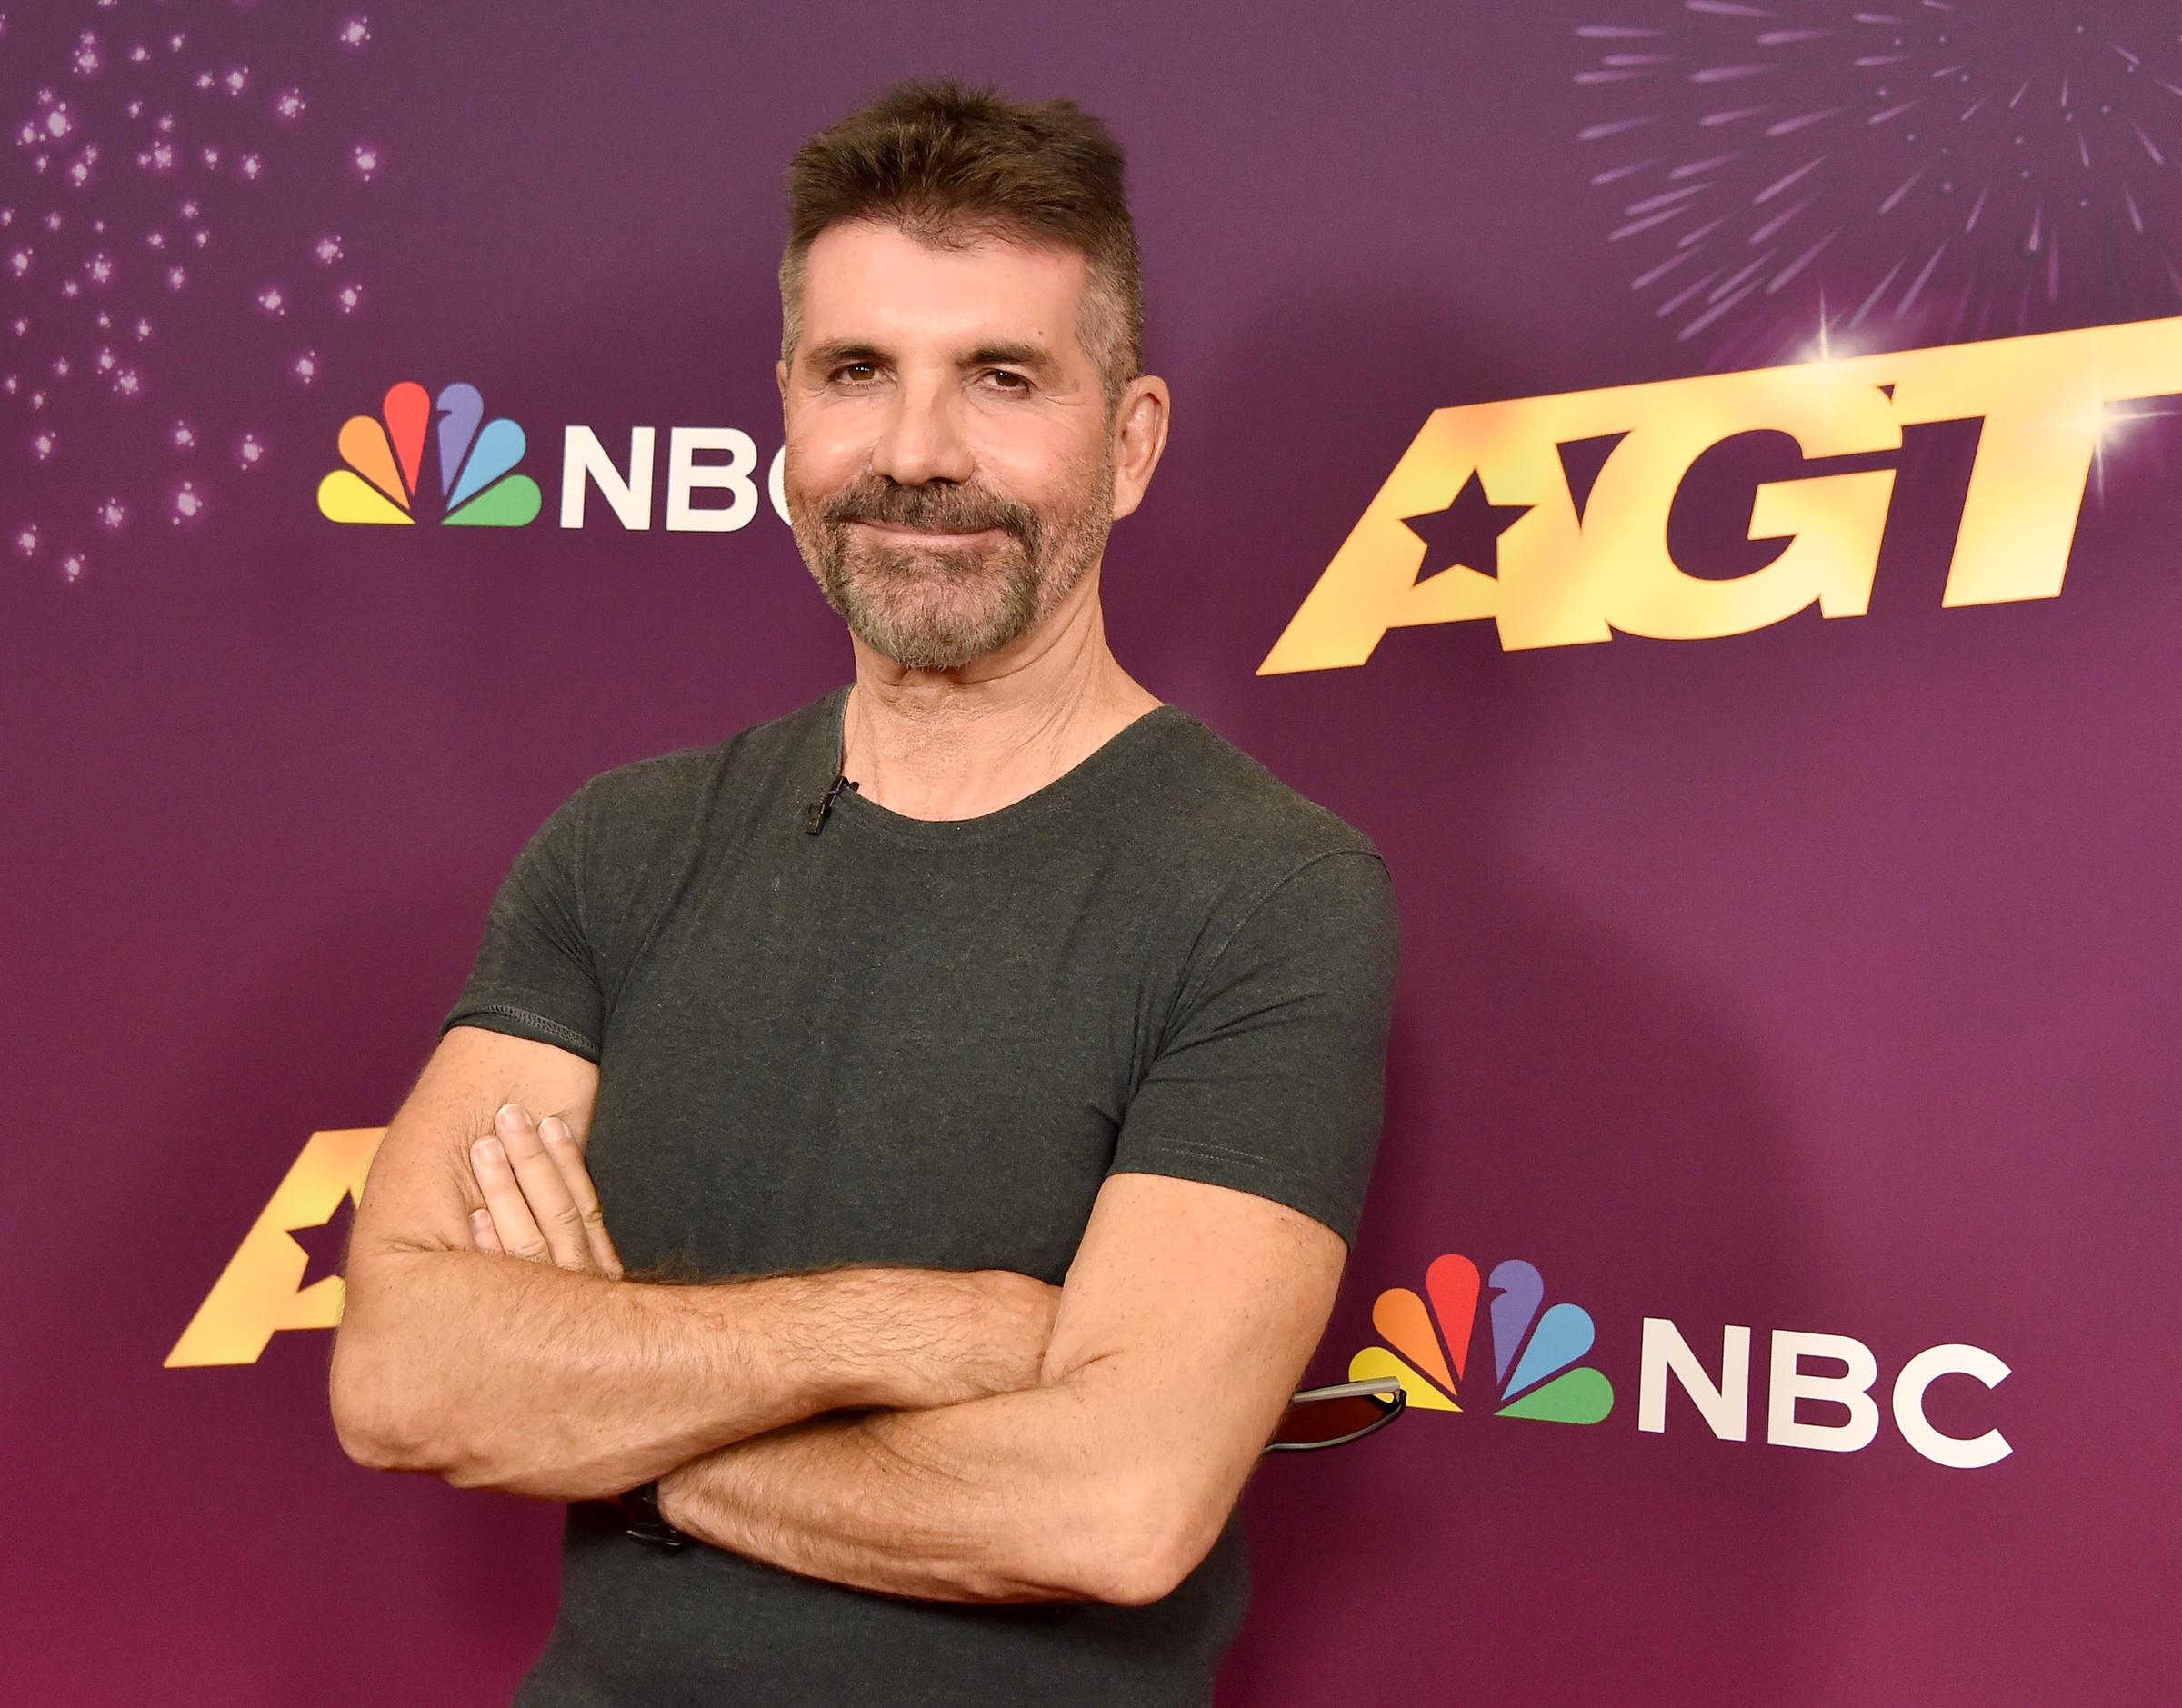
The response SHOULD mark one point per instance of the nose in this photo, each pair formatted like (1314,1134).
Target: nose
(922,438)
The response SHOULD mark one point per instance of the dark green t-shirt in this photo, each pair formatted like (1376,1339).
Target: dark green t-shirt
(927,1043)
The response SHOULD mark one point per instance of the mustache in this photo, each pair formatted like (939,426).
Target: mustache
(940,508)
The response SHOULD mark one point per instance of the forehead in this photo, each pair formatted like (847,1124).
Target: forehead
(872,283)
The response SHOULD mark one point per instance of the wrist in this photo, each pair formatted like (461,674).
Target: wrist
(812,1342)
(672,1496)
(855,1339)
(871,1319)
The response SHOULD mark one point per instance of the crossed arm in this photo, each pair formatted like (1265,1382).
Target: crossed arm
(922,1433)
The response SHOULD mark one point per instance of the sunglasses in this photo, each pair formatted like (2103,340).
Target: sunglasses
(1332,1417)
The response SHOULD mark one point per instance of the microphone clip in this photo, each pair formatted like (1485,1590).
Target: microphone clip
(815,814)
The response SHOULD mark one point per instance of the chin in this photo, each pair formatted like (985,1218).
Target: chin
(926,644)
(936,622)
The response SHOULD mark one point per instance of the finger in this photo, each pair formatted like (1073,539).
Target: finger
(519,1235)
(561,1146)
(484,1235)
(552,1207)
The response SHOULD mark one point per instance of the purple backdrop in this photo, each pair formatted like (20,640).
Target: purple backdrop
(1811,979)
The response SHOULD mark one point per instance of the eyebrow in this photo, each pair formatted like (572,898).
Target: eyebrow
(841,350)
(1017,355)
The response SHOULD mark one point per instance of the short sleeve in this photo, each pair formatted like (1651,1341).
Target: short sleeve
(537,974)
(1272,1078)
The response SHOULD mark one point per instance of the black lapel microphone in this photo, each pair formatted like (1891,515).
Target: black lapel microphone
(817,811)
(815,814)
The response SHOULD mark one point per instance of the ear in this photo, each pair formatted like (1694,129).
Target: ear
(780,378)
(1139,436)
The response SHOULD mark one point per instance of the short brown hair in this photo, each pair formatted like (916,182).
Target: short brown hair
(951,164)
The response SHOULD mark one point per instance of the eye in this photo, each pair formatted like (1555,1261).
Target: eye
(1007,380)
(854,373)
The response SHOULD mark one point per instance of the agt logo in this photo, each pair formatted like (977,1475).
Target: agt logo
(1535,1371)
(1487,513)
(382,479)
(263,1289)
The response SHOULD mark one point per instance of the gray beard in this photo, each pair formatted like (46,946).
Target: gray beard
(944,608)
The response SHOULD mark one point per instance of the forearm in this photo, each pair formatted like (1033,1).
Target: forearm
(1019,1497)
(1189,1313)
(568,1385)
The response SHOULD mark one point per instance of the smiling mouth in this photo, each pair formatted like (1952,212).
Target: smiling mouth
(927,536)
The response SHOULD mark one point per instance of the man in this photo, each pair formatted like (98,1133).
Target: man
(1059,989)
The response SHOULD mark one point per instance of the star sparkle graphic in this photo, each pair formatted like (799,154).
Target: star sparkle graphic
(1466,534)
(1901,172)
(164,190)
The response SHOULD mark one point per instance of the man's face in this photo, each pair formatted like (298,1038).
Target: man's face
(950,474)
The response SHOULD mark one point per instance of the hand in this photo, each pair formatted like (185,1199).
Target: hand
(539,1203)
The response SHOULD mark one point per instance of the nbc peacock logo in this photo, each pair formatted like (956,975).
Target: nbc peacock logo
(386,456)
(1535,1369)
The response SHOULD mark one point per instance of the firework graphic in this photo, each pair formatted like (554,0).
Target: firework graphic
(164,192)
(1903,174)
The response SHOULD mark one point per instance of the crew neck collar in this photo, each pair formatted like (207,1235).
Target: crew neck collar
(1040,806)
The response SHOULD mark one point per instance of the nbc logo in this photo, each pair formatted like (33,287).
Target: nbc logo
(1532,1351)
(385,461)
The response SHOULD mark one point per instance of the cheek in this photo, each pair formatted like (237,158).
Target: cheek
(825,452)
(1050,473)
(808,479)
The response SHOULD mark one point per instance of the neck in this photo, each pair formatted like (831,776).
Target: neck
(964,743)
